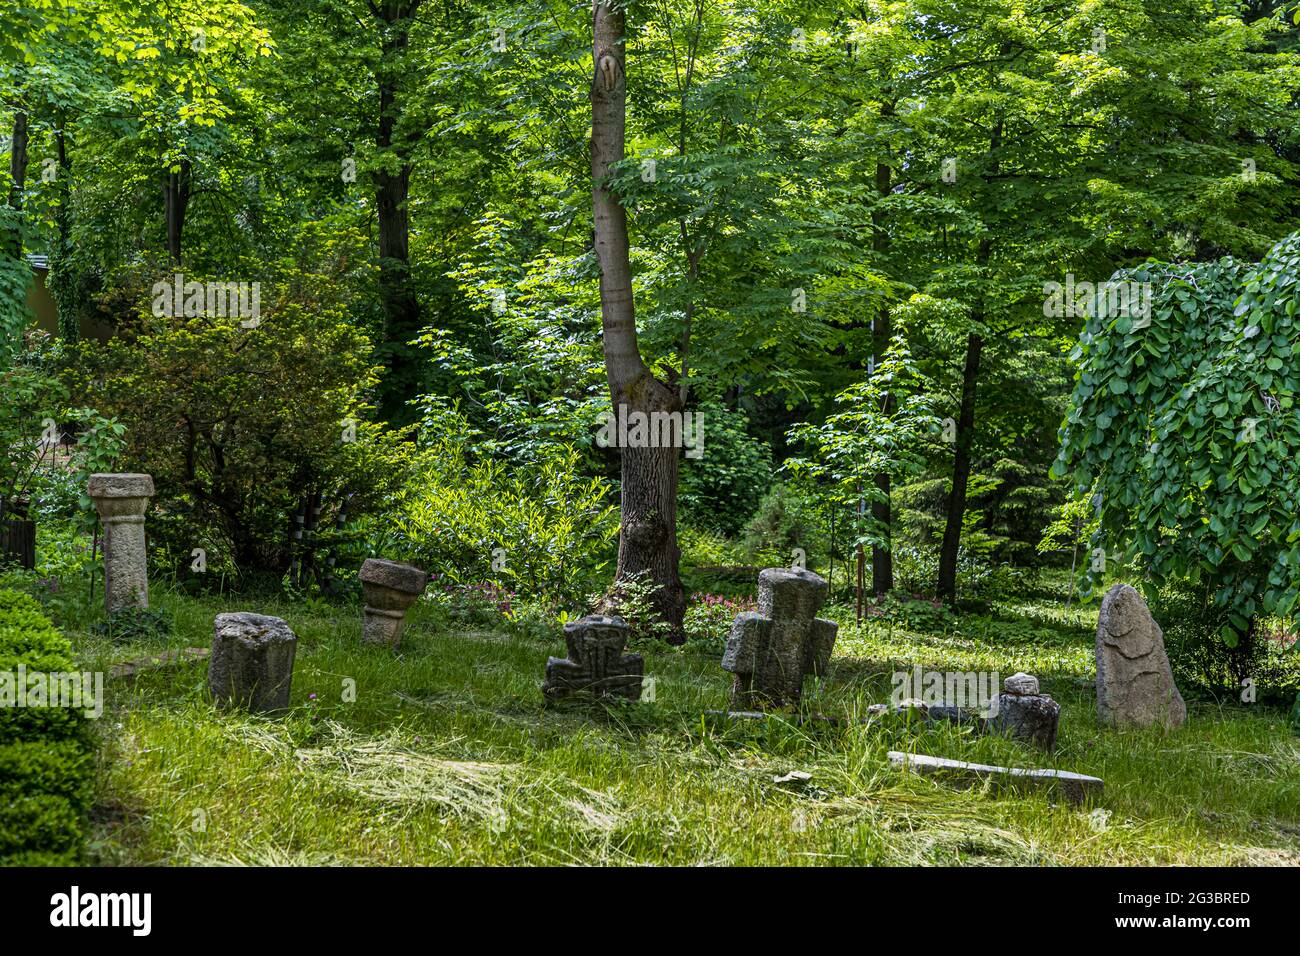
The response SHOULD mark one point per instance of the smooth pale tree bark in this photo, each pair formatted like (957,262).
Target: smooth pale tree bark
(402,319)
(647,543)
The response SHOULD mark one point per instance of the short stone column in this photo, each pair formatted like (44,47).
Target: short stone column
(771,651)
(1025,714)
(596,664)
(251,666)
(390,588)
(121,501)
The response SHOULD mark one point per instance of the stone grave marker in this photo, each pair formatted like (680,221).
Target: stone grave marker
(121,500)
(1135,686)
(770,651)
(596,664)
(252,662)
(1025,714)
(389,588)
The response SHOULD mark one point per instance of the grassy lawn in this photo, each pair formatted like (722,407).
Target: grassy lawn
(446,756)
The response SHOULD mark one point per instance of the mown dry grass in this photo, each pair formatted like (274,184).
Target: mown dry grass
(448,757)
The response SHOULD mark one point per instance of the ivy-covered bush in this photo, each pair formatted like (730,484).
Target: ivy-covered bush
(1184,425)
(46,755)
(34,400)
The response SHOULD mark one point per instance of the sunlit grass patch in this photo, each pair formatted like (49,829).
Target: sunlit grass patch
(447,756)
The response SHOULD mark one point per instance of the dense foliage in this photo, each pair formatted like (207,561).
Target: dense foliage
(845,223)
(46,759)
(1183,425)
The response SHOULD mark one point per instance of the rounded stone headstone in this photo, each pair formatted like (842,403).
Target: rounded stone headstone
(252,662)
(1135,684)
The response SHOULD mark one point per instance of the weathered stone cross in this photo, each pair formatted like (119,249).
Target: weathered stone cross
(596,663)
(771,651)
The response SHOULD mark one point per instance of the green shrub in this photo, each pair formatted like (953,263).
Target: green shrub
(784,520)
(541,529)
(708,621)
(34,399)
(135,623)
(718,489)
(919,614)
(242,426)
(1205,665)
(46,755)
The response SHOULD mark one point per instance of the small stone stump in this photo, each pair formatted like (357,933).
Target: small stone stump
(1025,714)
(390,588)
(121,501)
(1135,686)
(596,664)
(770,651)
(252,662)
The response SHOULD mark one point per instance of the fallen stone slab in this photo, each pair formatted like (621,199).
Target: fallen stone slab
(156,661)
(1075,787)
(920,713)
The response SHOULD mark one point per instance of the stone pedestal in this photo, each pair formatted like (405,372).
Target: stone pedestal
(596,664)
(121,501)
(252,662)
(390,588)
(771,651)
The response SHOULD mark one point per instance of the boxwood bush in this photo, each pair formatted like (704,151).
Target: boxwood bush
(46,753)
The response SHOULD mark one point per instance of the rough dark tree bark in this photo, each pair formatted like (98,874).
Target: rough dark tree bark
(402,317)
(176,199)
(946,587)
(17,177)
(18,161)
(882,560)
(647,545)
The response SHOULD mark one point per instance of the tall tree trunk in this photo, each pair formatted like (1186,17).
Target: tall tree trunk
(402,321)
(176,196)
(882,560)
(18,178)
(946,587)
(69,319)
(647,544)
